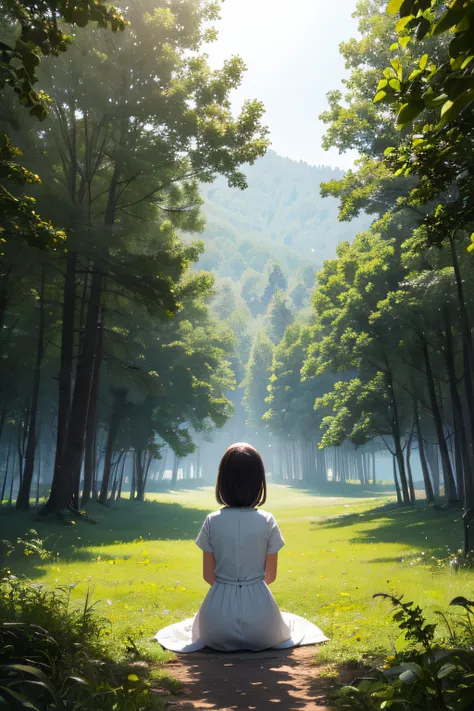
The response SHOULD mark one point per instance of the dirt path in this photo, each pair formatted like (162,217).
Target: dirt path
(283,680)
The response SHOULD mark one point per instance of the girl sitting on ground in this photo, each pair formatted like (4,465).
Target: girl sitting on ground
(240,544)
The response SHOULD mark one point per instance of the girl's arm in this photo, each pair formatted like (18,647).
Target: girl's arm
(208,567)
(271,565)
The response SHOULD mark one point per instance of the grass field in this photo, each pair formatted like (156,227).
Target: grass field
(142,567)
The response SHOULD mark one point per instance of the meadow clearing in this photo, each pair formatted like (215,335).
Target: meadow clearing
(139,563)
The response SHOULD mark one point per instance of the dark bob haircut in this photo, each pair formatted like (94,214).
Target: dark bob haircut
(241,478)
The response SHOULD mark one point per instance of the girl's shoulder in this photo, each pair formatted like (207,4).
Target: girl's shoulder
(267,515)
(225,510)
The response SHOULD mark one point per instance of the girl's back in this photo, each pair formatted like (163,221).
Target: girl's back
(241,539)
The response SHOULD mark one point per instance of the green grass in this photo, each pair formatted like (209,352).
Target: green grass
(141,564)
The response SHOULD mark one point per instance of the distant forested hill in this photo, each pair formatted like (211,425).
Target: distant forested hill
(265,246)
(281,215)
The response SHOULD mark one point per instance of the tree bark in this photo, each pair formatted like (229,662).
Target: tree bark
(91,425)
(395,479)
(449,484)
(423,462)
(410,474)
(7,463)
(23,499)
(116,417)
(58,486)
(174,474)
(462,455)
(397,440)
(120,484)
(74,449)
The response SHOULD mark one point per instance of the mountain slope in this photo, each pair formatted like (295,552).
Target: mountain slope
(281,211)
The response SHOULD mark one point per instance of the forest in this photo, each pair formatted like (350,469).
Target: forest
(170,285)
(327,346)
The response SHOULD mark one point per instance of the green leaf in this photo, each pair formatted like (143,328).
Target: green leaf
(396,64)
(389,150)
(450,18)
(394,47)
(452,109)
(456,85)
(379,96)
(382,84)
(403,41)
(403,22)
(17,701)
(423,29)
(415,73)
(394,6)
(395,84)
(471,248)
(388,73)
(446,670)
(423,61)
(409,112)
(433,102)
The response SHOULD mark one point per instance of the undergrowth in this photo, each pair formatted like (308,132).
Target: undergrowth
(54,655)
(435,671)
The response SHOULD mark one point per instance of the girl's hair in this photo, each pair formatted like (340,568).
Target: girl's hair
(241,478)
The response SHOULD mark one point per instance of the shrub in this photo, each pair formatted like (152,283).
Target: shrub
(428,676)
(54,656)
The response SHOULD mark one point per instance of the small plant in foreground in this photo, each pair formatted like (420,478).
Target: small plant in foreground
(427,675)
(53,656)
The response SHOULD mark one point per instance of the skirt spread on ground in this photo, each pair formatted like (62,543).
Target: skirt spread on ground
(234,617)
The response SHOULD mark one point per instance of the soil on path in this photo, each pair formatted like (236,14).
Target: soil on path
(278,680)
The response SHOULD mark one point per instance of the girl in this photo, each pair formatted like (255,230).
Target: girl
(240,545)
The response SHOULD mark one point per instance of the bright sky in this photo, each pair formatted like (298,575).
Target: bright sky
(291,51)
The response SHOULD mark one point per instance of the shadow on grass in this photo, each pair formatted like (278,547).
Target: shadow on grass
(123,522)
(420,527)
(341,489)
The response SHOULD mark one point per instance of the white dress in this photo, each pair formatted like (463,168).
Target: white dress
(239,611)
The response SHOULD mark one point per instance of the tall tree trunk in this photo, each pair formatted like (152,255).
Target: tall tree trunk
(7,463)
(23,500)
(449,484)
(38,479)
(468,349)
(91,425)
(115,477)
(174,474)
(141,477)
(56,496)
(423,462)
(410,474)
(115,419)
(120,484)
(133,480)
(12,480)
(74,449)
(462,456)
(397,439)
(395,479)
(432,456)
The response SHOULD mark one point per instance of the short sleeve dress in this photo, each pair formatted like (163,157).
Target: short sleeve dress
(239,611)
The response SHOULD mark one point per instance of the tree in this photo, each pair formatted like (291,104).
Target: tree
(129,135)
(32,30)
(256,379)
(447,86)
(277,281)
(278,317)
